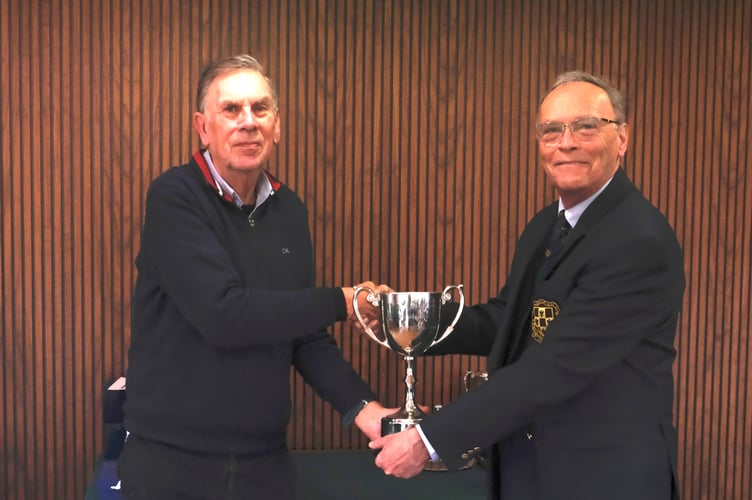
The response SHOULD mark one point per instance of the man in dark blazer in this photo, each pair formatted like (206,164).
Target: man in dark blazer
(580,340)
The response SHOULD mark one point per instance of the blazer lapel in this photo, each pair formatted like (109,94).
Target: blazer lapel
(549,264)
(528,260)
(620,185)
(520,285)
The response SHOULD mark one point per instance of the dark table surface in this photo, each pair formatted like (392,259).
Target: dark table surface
(346,475)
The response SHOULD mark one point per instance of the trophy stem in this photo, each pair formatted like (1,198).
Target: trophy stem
(410,380)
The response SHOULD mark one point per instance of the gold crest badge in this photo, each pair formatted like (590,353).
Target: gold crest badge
(544,312)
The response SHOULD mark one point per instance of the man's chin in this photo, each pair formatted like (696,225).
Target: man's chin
(249,162)
(565,178)
(568,183)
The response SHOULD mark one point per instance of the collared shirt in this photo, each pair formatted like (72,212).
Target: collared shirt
(263,184)
(574,212)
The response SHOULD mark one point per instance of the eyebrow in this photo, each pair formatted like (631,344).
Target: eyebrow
(579,117)
(263,100)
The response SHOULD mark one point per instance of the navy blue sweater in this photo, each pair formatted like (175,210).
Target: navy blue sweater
(224,304)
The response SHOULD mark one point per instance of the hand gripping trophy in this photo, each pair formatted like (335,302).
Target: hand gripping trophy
(410,325)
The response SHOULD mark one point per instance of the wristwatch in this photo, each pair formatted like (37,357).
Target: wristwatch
(349,417)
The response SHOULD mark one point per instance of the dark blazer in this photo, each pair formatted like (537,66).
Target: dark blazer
(578,404)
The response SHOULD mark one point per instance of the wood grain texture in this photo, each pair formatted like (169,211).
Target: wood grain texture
(408,131)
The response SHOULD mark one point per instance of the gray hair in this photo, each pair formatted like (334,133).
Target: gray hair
(228,65)
(618,101)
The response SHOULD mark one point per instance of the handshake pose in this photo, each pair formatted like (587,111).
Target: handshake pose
(579,341)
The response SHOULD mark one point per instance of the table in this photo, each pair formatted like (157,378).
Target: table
(342,475)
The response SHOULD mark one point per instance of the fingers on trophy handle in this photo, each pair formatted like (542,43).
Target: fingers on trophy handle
(373,299)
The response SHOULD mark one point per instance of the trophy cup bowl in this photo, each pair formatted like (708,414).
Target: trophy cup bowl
(410,324)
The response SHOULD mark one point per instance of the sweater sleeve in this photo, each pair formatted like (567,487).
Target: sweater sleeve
(319,361)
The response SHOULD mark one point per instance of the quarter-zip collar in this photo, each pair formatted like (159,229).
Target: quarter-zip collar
(265,186)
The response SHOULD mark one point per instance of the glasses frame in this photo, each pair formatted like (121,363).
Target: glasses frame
(605,121)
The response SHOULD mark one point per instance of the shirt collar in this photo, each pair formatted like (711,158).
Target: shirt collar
(264,187)
(574,212)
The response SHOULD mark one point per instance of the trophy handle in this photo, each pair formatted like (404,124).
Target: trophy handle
(445,297)
(373,299)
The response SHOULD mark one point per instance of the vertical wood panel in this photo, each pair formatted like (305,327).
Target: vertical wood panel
(407,129)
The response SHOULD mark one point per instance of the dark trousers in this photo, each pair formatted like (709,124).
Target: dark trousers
(150,470)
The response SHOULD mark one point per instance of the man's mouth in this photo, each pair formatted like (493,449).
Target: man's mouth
(248,145)
(564,163)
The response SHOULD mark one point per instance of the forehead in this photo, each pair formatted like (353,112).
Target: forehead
(575,100)
(239,85)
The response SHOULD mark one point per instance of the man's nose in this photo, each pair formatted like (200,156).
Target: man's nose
(247,118)
(567,138)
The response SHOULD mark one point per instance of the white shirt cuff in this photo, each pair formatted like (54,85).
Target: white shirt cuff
(427,443)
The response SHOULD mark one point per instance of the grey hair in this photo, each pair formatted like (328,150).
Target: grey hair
(618,101)
(228,65)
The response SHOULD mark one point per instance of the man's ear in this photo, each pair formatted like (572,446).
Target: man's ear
(623,139)
(199,123)
(277,130)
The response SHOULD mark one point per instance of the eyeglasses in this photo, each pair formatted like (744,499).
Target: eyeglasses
(583,129)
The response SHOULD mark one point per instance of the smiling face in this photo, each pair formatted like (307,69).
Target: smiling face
(576,167)
(239,125)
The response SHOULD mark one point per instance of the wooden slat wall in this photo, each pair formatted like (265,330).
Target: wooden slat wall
(407,129)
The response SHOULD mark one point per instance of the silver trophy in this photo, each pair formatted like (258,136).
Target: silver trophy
(410,326)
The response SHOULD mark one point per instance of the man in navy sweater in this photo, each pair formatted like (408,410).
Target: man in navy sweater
(224,304)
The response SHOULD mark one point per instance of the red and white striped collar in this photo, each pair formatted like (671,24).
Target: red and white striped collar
(268,185)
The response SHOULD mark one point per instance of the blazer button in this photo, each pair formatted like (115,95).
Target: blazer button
(529,435)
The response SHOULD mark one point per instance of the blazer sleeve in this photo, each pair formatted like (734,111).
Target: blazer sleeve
(475,331)
(622,293)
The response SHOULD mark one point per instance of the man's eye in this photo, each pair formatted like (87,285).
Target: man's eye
(232,108)
(552,128)
(260,109)
(587,125)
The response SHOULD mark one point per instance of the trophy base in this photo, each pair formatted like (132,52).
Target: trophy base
(397,423)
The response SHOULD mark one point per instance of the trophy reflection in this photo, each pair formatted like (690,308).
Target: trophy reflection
(410,326)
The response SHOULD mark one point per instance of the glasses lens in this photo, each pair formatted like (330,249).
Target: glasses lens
(550,132)
(586,128)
